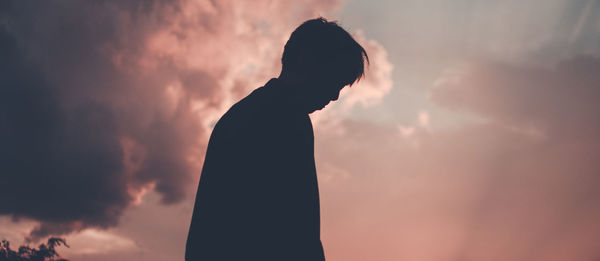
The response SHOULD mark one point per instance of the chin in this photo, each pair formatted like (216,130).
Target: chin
(318,107)
(315,109)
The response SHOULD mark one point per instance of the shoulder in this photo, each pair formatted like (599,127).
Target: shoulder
(252,113)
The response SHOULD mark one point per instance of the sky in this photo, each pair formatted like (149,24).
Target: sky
(474,135)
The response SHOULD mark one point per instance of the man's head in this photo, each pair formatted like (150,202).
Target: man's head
(320,59)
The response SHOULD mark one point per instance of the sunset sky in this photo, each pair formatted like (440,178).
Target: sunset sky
(475,135)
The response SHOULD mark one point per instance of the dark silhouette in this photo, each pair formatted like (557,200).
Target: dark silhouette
(45,252)
(258,197)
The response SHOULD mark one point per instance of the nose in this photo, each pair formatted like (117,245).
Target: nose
(335,97)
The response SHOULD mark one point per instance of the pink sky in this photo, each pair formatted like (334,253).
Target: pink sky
(474,135)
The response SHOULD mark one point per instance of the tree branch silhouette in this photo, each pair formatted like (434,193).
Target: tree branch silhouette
(45,252)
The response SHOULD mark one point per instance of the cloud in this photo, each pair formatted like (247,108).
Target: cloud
(520,185)
(556,101)
(102,101)
(66,109)
(91,241)
(377,82)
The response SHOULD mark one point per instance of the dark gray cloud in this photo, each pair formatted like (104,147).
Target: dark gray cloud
(67,110)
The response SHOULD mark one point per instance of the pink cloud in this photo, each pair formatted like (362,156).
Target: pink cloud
(378,78)
(485,191)
(557,100)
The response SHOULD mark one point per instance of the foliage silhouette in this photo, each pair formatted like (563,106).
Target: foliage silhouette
(45,252)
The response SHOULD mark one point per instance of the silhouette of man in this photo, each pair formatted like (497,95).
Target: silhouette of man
(258,197)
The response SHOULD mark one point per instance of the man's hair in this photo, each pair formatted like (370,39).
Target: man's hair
(321,46)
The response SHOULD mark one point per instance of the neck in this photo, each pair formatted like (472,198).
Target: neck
(291,80)
(293,84)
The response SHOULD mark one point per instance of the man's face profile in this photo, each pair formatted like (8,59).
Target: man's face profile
(320,59)
(326,93)
(318,92)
